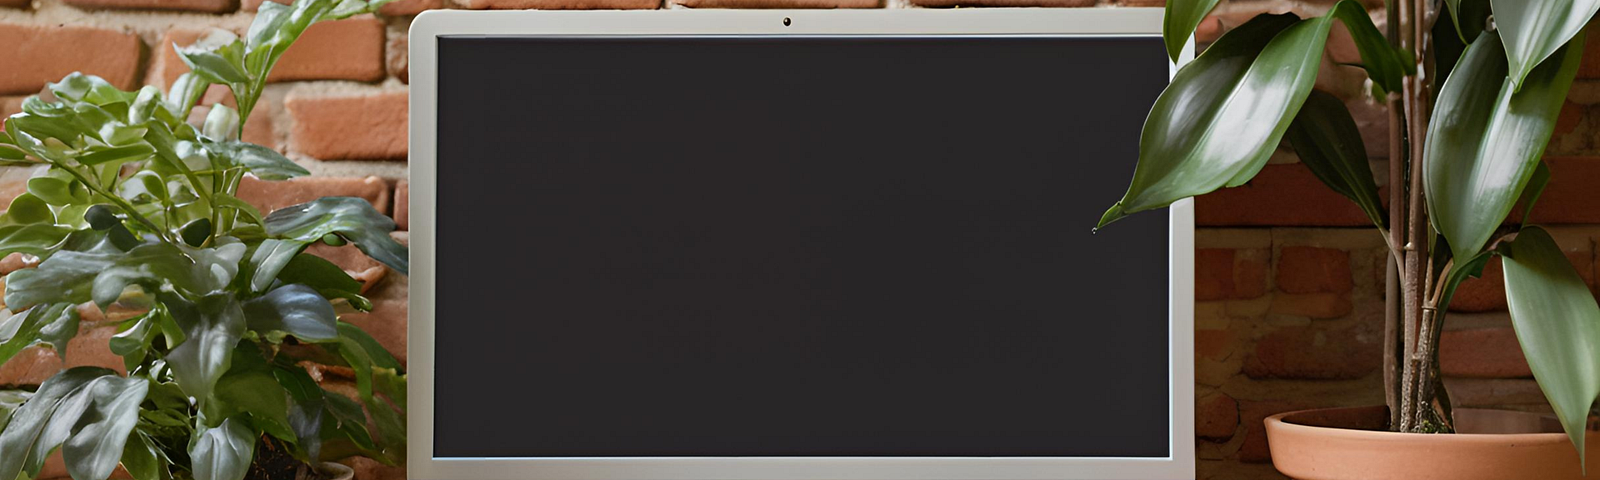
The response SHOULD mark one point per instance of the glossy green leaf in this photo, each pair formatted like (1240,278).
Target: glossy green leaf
(75,407)
(27,328)
(292,310)
(1469,18)
(218,58)
(211,328)
(130,153)
(186,92)
(249,388)
(39,240)
(1224,114)
(306,409)
(1485,141)
(142,459)
(224,452)
(269,258)
(1328,142)
(10,401)
(1558,324)
(1532,191)
(222,123)
(29,209)
(1199,137)
(264,162)
(1180,20)
(1535,29)
(350,217)
(328,279)
(98,438)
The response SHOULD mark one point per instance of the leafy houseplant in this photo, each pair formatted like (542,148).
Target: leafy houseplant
(1473,89)
(136,212)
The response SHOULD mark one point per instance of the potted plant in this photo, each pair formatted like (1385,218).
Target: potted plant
(1473,89)
(225,320)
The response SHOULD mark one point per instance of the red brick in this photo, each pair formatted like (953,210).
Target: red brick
(13,182)
(1483,294)
(389,316)
(38,54)
(1571,196)
(1590,68)
(349,49)
(1004,3)
(211,6)
(349,127)
(269,196)
(10,106)
(1213,344)
(1216,417)
(402,205)
(410,7)
(1224,274)
(396,8)
(1312,305)
(1281,195)
(560,4)
(399,56)
(1142,3)
(1482,353)
(1567,120)
(1316,354)
(16,3)
(1314,270)
(36,364)
(779,3)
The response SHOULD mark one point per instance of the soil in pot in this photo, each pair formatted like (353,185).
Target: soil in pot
(1354,444)
(273,462)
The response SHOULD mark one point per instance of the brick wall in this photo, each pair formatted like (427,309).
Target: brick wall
(1290,281)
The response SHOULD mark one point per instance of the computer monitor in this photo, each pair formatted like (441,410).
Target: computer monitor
(707,244)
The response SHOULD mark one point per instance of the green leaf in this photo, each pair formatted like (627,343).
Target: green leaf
(1470,18)
(1535,29)
(186,92)
(131,153)
(1202,134)
(218,58)
(55,190)
(1485,141)
(328,279)
(10,401)
(28,328)
(77,407)
(133,342)
(1179,22)
(141,458)
(39,240)
(350,217)
(305,410)
(1384,64)
(264,162)
(224,452)
(222,123)
(211,327)
(99,437)
(250,388)
(27,209)
(292,310)
(1558,324)
(1328,142)
(1535,188)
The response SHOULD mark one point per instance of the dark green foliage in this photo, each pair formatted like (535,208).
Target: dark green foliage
(137,208)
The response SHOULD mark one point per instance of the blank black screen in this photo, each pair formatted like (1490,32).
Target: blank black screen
(796,246)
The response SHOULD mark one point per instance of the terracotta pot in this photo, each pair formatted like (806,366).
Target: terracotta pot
(1353,444)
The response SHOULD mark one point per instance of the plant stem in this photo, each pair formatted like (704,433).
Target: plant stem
(1392,346)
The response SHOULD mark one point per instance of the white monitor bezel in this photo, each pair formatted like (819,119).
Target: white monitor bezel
(984,22)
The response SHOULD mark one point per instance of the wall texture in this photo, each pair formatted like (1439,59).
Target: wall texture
(1290,280)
